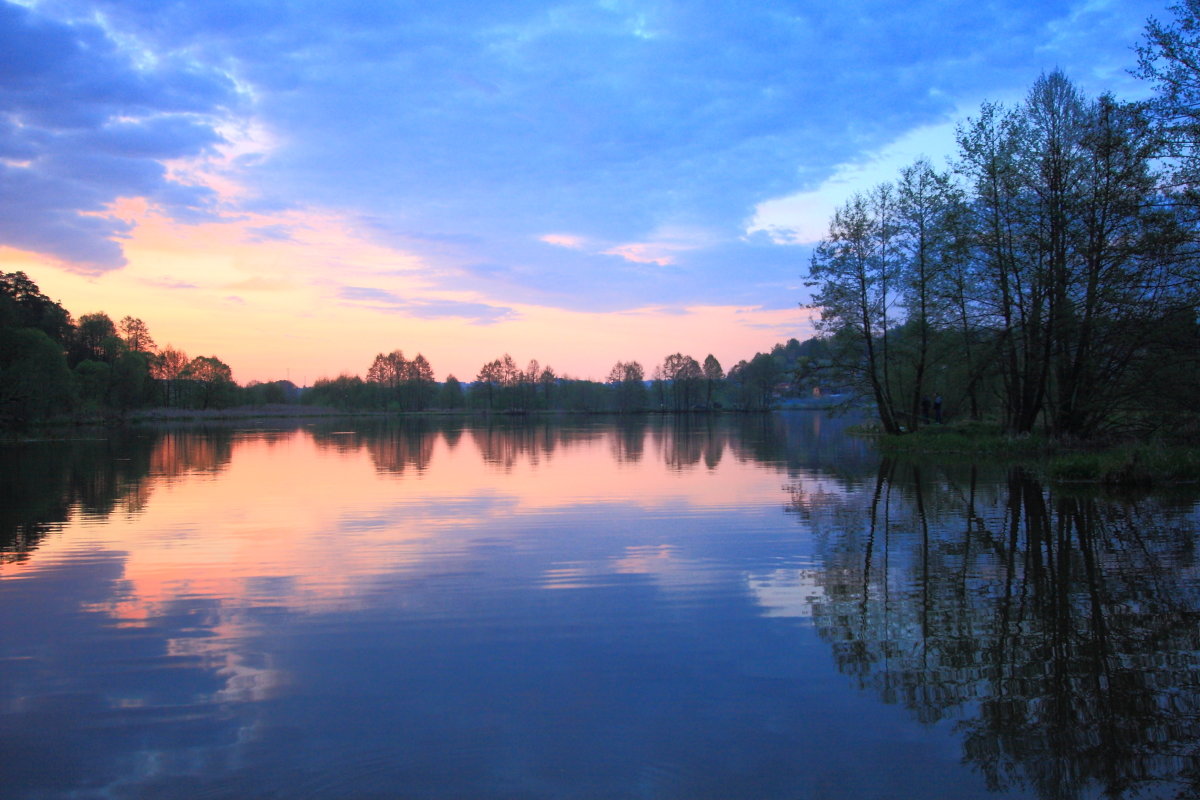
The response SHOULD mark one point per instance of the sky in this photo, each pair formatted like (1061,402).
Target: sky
(294,186)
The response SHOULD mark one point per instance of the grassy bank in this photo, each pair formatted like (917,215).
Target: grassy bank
(1112,463)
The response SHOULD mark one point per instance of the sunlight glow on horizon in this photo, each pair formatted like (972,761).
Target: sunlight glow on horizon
(272,295)
(260,293)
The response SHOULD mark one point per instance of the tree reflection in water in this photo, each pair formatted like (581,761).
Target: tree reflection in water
(96,475)
(1062,630)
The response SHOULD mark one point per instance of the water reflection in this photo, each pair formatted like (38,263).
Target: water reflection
(45,482)
(580,608)
(804,441)
(1062,630)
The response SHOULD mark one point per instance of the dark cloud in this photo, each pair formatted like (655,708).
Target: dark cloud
(84,122)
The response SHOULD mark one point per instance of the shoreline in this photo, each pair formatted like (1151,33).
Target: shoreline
(1113,464)
(1125,463)
(290,411)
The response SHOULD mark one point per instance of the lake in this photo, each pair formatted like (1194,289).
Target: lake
(739,606)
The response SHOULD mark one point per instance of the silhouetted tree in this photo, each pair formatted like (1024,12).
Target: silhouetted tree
(490,377)
(22,305)
(854,271)
(1170,57)
(684,375)
(1058,272)
(628,381)
(213,380)
(548,380)
(755,381)
(419,383)
(344,392)
(387,372)
(450,396)
(713,375)
(136,335)
(167,367)
(95,339)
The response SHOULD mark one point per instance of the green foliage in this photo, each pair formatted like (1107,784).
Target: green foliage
(1130,465)
(22,305)
(95,339)
(628,382)
(270,393)
(35,382)
(345,392)
(972,439)
(450,395)
(754,384)
(402,385)
(131,386)
(92,379)
(582,395)
(211,382)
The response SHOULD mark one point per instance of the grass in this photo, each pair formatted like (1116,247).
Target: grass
(1140,464)
(1117,463)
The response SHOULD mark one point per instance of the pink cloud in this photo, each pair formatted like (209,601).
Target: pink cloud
(566,240)
(642,253)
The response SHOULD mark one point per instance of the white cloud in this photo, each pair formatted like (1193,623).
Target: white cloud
(803,218)
(663,245)
(786,592)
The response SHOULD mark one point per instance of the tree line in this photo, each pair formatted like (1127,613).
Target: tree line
(678,384)
(52,365)
(1048,278)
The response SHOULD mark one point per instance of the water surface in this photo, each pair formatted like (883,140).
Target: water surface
(737,607)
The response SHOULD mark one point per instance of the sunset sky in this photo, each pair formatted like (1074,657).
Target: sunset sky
(296,186)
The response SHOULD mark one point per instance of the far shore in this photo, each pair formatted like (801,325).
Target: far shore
(285,412)
(304,412)
(277,411)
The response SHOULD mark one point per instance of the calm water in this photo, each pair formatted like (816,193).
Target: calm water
(747,607)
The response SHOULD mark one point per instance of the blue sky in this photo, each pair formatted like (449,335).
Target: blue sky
(576,158)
